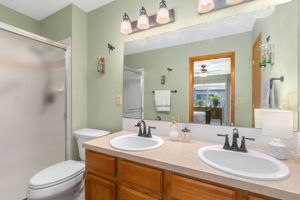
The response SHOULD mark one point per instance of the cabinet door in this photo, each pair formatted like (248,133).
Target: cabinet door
(183,188)
(126,193)
(99,189)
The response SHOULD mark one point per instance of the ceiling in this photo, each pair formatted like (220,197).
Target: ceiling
(39,9)
(220,66)
(219,28)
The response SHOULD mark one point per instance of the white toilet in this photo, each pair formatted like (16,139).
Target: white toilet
(64,180)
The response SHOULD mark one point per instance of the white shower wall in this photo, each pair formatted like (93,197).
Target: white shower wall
(32,109)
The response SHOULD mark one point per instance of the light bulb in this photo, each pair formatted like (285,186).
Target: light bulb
(205,6)
(143,20)
(163,15)
(126,27)
(233,2)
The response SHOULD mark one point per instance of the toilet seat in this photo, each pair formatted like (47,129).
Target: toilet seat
(56,174)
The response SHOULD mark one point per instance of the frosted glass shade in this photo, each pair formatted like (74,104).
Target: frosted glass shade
(203,74)
(143,22)
(163,16)
(205,6)
(233,2)
(277,124)
(126,27)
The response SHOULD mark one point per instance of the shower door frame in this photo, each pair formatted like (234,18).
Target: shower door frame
(68,108)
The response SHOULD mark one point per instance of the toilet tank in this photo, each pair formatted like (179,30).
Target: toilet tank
(87,134)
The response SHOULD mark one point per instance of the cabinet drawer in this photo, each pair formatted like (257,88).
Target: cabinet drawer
(141,175)
(255,198)
(126,193)
(186,189)
(100,164)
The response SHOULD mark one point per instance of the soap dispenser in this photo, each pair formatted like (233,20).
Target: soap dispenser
(173,133)
(186,135)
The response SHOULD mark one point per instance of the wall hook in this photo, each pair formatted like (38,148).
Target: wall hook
(169,69)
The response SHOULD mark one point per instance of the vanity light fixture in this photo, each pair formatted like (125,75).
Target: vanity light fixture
(205,6)
(143,20)
(163,15)
(126,27)
(233,2)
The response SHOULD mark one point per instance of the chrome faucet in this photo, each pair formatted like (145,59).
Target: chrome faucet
(234,146)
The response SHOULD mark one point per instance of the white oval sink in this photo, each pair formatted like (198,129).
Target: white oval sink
(133,142)
(251,165)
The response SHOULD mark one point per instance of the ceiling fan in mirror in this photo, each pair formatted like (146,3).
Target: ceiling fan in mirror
(204,72)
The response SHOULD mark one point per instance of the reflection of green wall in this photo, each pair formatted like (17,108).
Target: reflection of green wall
(283,28)
(155,63)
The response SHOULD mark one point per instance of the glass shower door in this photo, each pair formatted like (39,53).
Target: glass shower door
(32,110)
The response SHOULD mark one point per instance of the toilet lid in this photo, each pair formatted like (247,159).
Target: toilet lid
(90,133)
(56,174)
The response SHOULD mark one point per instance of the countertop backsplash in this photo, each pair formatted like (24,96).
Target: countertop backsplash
(209,133)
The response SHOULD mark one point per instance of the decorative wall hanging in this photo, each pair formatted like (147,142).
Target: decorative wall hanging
(144,22)
(101,64)
(267,56)
(110,47)
(163,80)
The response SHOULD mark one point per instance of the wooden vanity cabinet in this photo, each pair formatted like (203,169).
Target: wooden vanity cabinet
(110,178)
(98,188)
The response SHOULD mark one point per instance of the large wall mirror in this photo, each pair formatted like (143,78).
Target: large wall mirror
(218,73)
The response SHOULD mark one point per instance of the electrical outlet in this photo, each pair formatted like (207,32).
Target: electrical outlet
(119,100)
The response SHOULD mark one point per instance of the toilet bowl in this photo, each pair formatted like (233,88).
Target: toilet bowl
(64,180)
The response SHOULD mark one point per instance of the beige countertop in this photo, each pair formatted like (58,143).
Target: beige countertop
(182,158)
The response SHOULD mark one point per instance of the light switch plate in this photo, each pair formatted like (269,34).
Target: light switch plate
(119,100)
(240,100)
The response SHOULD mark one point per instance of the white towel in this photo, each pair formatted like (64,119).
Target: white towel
(268,94)
(162,100)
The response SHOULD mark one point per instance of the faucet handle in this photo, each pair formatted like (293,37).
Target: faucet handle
(243,144)
(149,131)
(140,128)
(226,144)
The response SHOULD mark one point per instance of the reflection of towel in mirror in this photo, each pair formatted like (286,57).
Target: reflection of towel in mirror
(268,94)
(162,100)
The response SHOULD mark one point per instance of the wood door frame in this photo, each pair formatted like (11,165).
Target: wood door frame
(230,55)
(257,43)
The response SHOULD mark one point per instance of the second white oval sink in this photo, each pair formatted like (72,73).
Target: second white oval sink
(133,142)
(252,165)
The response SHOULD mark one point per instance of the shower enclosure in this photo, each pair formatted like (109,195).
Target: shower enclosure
(33,104)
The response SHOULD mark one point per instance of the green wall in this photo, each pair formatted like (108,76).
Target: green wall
(155,62)
(19,20)
(58,26)
(284,36)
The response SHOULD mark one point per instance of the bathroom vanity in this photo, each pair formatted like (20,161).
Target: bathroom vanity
(172,173)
